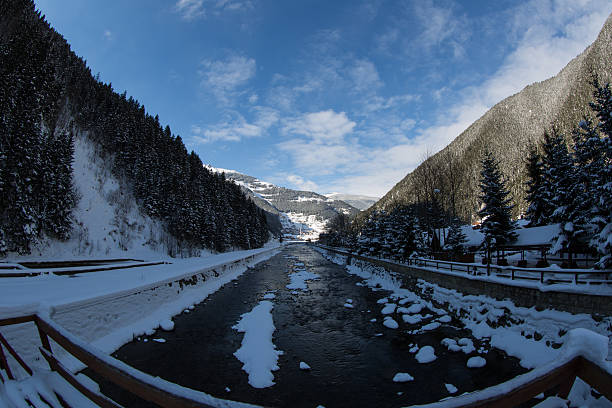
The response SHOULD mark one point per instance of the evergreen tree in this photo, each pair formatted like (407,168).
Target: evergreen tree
(496,212)
(596,165)
(568,196)
(456,239)
(536,196)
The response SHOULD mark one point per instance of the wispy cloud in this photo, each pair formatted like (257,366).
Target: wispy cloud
(548,36)
(325,127)
(235,127)
(442,26)
(223,77)
(194,9)
(190,9)
(301,184)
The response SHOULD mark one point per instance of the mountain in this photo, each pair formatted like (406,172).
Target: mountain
(361,202)
(144,189)
(301,214)
(507,130)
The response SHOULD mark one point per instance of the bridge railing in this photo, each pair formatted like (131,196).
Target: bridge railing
(558,375)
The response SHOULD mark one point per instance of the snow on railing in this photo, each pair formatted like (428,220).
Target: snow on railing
(583,355)
(145,386)
(544,275)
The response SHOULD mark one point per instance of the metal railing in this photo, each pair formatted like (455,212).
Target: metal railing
(543,275)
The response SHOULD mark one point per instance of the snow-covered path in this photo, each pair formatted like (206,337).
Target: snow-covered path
(337,349)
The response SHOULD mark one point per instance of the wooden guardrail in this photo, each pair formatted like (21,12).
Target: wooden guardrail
(559,374)
(510,272)
(149,388)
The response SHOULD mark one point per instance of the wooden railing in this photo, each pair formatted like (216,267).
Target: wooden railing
(558,375)
(155,390)
(511,272)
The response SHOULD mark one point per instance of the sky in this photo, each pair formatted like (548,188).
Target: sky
(328,96)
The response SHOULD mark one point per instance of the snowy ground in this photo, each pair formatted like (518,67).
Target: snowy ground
(32,294)
(532,336)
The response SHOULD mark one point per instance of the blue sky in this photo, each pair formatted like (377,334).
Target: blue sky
(329,96)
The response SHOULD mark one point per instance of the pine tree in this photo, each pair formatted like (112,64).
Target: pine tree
(456,239)
(567,198)
(536,197)
(600,172)
(497,223)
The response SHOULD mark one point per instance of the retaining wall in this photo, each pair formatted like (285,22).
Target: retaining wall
(116,317)
(567,301)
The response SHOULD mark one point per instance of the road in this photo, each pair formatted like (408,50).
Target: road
(352,363)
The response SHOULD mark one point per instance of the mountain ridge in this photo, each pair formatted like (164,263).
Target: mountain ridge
(301,213)
(507,130)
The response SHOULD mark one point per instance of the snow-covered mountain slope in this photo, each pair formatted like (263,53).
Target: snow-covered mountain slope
(302,214)
(107,221)
(361,202)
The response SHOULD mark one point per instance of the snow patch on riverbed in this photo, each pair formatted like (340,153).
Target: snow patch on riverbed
(298,279)
(257,353)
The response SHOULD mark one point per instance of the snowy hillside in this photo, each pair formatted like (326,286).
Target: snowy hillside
(358,201)
(107,221)
(302,214)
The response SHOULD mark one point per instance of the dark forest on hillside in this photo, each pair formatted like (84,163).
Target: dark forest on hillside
(47,95)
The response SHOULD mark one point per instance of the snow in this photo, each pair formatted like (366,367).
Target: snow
(269,296)
(388,309)
(104,208)
(445,319)
(402,377)
(412,319)
(304,366)
(451,388)
(257,352)
(464,344)
(111,308)
(552,402)
(476,362)
(348,305)
(390,323)
(425,355)
(159,340)
(416,308)
(504,325)
(167,325)
(299,278)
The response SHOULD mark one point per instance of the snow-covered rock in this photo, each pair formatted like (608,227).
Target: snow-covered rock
(476,362)
(425,355)
(390,323)
(167,325)
(402,377)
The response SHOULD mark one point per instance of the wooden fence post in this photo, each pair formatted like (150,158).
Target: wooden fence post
(4,364)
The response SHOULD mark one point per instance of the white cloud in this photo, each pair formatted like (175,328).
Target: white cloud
(194,9)
(190,9)
(548,35)
(223,77)
(545,42)
(323,127)
(365,76)
(301,184)
(441,26)
(235,127)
